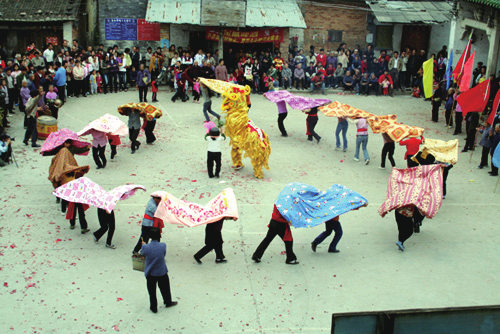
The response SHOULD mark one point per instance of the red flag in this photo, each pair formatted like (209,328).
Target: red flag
(461,62)
(467,73)
(475,99)
(494,108)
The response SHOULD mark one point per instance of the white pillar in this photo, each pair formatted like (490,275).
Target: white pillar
(67,32)
(493,50)
(451,39)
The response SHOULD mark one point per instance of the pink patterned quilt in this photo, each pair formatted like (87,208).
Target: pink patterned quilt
(108,124)
(421,186)
(85,191)
(57,139)
(176,211)
(295,101)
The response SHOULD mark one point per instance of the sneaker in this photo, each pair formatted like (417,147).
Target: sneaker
(356,159)
(382,167)
(255,259)
(110,246)
(72,227)
(84,230)
(197,260)
(220,261)
(333,251)
(400,246)
(292,262)
(95,239)
(313,247)
(344,150)
(238,167)
(367,161)
(337,148)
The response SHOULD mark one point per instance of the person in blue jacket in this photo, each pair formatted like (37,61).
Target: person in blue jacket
(156,270)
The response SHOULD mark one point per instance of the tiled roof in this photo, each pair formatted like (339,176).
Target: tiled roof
(492,3)
(429,12)
(39,10)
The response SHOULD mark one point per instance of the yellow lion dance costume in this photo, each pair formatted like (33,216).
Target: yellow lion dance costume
(244,134)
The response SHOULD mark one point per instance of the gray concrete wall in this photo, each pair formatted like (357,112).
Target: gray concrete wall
(122,9)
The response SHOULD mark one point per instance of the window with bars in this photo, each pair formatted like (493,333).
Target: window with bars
(384,37)
(335,35)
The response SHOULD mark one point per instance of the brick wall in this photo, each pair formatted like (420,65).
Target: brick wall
(320,19)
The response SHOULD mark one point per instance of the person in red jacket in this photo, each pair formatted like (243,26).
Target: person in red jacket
(277,226)
(381,79)
(180,79)
(412,147)
(321,58)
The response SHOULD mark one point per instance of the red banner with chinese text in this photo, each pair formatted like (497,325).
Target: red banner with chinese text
(256,36)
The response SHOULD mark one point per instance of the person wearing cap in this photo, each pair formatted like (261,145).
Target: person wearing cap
(148,222)
(156,270)
(214,152)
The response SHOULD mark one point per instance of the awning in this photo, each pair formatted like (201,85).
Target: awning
(428,12)
(256,13)
(174,11)
(277,13)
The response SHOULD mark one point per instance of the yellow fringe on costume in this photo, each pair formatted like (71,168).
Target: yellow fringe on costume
(244,135)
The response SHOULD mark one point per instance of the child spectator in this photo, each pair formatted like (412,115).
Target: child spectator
(448,107)
(154,89)
(214,152)
(93,83)
(99,82)
(385,86)
(485,142)
(196,92)
(50,98)
(133,76)
(232,79)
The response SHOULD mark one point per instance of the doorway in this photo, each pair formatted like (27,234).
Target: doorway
(416,37)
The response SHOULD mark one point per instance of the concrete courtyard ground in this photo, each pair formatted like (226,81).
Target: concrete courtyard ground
(56,280)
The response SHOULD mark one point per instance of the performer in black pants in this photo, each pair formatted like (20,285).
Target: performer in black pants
(409,219)
(73,208)
(277,226)
(311,121)
(107,222)
(388,149)
(213,240)
(148,131)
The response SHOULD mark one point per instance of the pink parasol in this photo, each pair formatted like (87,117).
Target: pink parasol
(176,211)
(57,139)
(108,124)
(295,101)
(85,191)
